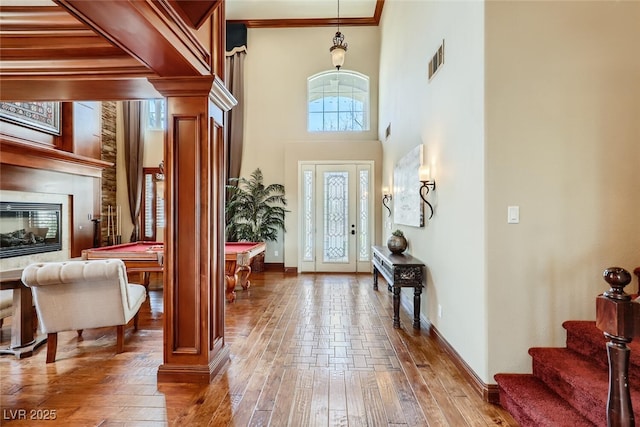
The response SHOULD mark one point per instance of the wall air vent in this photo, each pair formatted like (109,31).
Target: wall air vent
(437,61)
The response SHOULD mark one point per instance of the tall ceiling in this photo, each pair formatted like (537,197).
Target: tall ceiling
(84,49)
(298,9)
(303,13)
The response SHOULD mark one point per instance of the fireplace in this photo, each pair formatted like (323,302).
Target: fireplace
(29,228)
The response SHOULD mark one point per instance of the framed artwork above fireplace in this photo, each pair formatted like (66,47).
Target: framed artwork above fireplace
(42,116)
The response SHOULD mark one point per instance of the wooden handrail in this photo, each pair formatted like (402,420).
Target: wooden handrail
(618,316)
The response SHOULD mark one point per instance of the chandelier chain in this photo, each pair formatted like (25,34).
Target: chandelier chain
(339,47)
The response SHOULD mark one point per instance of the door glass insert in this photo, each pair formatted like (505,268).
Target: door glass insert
(336,217)
(363,216)
(308,229)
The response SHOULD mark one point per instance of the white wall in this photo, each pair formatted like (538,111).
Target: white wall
(446,115)
(277,65)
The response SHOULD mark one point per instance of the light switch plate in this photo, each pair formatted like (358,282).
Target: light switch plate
(513,214)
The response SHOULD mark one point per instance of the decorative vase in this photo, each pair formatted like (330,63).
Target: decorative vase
(397,244)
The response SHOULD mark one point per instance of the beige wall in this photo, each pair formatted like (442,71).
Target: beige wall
(563,143)
(278,63)
(537,106)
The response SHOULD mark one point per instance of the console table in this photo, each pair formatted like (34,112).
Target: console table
(399,271)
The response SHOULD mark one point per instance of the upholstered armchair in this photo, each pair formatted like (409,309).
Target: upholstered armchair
(77,295)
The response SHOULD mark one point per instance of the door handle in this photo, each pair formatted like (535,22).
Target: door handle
(353,231)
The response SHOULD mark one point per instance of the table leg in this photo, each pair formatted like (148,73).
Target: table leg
(23,342)
(375,279)
(230,292)
(22,329)
(243,270)
(242,273)
(146,278)
(396,306)
(416,306)
(230,280)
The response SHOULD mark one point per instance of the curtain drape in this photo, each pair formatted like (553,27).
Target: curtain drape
(234,76)
(133,112)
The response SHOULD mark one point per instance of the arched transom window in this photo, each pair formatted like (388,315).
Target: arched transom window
(338,101)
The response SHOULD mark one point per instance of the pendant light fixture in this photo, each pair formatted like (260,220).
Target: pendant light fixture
(339,49)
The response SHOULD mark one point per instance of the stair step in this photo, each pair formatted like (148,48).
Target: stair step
(578,380)
(585,338)
(533,404)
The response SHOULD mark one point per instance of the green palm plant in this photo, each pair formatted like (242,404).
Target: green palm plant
(253,212)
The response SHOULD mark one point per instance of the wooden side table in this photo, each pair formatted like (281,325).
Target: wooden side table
(23,340)
(399,271)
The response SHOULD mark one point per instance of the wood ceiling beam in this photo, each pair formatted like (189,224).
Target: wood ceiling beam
(95,50)
(63,88)
(47,41)
(63,44)
(93,68)
(38,19)
(195,12)
(151,31)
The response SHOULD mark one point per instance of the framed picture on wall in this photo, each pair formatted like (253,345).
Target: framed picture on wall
(42,116)
(407,204)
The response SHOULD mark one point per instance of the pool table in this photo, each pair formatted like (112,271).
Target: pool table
(138,257)
(237,260)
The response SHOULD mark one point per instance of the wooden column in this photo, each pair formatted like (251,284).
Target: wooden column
(194,345)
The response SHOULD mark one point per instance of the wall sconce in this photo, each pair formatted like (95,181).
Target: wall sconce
(386,198)
(428,184)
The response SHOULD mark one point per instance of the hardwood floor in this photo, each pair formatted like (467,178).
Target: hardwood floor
(306,350)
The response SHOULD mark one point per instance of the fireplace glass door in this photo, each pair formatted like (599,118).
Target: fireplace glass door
(29,228)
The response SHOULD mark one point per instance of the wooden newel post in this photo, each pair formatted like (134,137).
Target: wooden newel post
(619,318)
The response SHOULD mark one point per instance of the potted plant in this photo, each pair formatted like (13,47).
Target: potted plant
(397,243)
(254,212)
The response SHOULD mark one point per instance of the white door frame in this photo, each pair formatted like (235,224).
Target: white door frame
(307,245)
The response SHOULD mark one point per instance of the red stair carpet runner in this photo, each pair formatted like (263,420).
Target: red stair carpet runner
(569,385)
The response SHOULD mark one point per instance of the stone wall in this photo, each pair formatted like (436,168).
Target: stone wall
(109,152)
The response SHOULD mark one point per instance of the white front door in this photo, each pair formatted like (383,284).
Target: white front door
(336,224)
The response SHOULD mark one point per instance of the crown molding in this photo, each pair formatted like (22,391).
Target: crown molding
(314,22)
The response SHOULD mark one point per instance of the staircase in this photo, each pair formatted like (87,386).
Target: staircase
(569,385)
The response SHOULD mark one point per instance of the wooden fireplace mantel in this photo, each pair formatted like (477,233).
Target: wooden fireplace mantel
(36,156)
